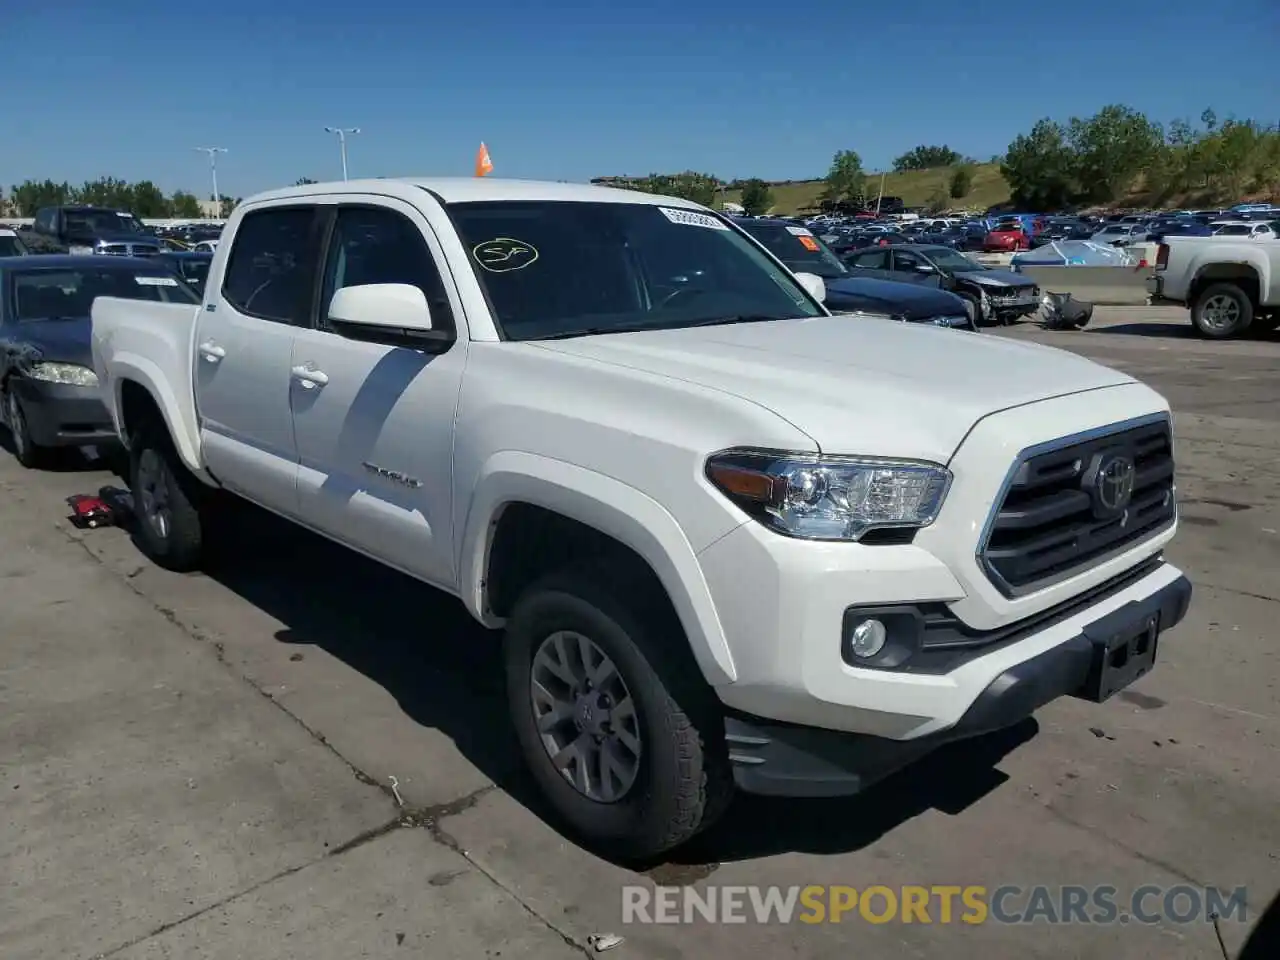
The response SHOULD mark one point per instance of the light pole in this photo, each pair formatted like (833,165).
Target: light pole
(342,133)
(213,171)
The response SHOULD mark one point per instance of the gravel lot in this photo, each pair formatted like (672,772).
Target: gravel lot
(202,766)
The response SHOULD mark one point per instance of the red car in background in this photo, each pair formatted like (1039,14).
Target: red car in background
(1006,237)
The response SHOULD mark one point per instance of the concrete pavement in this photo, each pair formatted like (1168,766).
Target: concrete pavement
(202,765)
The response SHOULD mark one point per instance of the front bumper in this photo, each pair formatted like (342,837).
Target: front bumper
(64,415)
(792,760)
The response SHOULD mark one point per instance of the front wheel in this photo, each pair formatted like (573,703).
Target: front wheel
(613,718)
(166,502)
(1222,311)
(25,450)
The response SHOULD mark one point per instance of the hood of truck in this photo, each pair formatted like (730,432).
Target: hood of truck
(857,386)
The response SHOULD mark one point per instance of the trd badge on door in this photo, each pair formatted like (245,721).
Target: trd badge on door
(393,475)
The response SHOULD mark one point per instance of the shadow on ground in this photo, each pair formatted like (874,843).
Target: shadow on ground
(1173,331)
(69,459)
(445,671)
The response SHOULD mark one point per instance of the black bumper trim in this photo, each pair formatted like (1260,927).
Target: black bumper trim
(782,759)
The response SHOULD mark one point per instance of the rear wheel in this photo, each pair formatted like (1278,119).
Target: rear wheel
(1222,311)
(166,502)
(613,718)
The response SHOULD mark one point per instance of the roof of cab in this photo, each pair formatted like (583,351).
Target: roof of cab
(473,189)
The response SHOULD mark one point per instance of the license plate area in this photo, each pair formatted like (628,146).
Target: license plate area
(1119,656)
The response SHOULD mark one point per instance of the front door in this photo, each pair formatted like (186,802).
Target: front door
(374,423)
(244,343)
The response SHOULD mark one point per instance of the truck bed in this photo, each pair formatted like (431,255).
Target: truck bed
(153,344)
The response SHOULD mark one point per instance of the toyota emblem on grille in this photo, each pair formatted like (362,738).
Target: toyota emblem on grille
(1113,482)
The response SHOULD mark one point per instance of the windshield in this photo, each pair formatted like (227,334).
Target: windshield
(1234,230)
(798,249)
(947,259)
(102,221)
(1007,227)
(63,294)
(11,246)
(562,269)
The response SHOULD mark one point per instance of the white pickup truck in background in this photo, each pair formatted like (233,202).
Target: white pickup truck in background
(730,538)
(1230,285)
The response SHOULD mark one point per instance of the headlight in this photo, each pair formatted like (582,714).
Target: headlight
(829,498)
(64,373)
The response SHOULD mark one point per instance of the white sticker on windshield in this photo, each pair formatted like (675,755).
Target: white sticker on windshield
(692,218)
(155,281)
(799,232)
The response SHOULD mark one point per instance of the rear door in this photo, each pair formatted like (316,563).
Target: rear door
(244,343)
(872,263)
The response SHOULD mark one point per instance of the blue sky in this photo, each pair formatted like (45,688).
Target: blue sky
(574,90)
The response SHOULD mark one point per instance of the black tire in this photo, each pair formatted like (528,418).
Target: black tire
(180,545)
(684,782)
(975,305)
(1227,297)
(25,450)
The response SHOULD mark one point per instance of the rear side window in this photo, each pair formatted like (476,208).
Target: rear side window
(875,260)
(270,269)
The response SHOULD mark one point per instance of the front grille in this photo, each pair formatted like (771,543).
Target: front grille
(145,251)
(1054,519)
(115,249)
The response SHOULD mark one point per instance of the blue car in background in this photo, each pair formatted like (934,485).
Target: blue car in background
(802,252)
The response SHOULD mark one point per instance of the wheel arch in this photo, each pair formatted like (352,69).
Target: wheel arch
(139,390)
(1243,275)
(514,485)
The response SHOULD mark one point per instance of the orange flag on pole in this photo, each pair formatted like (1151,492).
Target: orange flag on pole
(483,164)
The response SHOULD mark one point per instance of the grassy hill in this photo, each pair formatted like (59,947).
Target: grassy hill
(915,187)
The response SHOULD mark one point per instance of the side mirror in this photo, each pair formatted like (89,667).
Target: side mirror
(396,314)
(813,285)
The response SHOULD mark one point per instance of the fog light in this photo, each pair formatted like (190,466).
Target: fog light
(868,638)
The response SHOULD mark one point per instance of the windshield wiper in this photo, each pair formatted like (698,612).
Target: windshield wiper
(741,318)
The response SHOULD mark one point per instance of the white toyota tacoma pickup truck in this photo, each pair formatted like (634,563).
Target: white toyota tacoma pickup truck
(730,538)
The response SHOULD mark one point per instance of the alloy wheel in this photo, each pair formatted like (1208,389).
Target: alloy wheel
(1220,312)
(585,716)
(153,489)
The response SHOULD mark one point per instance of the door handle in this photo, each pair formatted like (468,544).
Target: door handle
(211,351)
(309,377)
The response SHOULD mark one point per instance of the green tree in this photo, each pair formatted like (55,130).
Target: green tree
(185,206)
(1040,168)
(927,158)
(31,195)
(757,198)
(105,192)
(845,179)
(961,182)
(226,205)
(303,181)
(148,201)
(690,185)
(1112,149)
